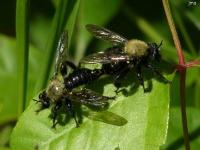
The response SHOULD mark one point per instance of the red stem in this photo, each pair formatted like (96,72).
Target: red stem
(183,108)
(192,63)
(182,70)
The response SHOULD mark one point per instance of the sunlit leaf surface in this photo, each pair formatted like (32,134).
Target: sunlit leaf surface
(147,115)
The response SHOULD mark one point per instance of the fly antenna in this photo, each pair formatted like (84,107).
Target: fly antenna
(37,101)
(160,44)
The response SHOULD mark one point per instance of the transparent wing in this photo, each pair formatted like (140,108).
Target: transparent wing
(89,97)
(106,117)
(105,34)
(105,57)
(61,51)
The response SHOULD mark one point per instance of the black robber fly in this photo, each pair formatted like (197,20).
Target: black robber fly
(124,55)
(61,90)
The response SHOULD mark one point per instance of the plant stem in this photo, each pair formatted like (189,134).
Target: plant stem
(184,32)
(22,37)
(183,108)
(173,31)
(182,71)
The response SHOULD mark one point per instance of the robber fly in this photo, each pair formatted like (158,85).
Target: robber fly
(124,55)
(61,90)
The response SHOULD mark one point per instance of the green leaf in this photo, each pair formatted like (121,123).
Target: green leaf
(175,135)
(192,74)
(97,12)
(146,113)
(8,86)
(197,94)
(4,148)
(22,36)
(39,30)
(193,16)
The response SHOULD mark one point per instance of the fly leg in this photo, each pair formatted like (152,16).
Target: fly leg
(140,77)
(54,112)
(117,83)
(70,64)
(152,68)
(44,104)
(70,109)
(117,78)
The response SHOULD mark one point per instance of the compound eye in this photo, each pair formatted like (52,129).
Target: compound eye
(63,69)
(42,96)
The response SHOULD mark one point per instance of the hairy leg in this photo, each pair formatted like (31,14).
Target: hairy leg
(70,109)
(152,68)
(54,112)
(118,77)
(140,77)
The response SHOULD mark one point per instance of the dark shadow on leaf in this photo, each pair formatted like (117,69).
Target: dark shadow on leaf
(117,148)
(94,113)
(129,80)
(36,147)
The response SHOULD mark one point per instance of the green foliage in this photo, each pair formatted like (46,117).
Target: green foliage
(174,137)
(89,14)
(8,86)
(146,113)
(22,37)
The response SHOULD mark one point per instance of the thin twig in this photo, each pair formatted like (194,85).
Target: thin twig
(182,71)
(183,109)
(173,31)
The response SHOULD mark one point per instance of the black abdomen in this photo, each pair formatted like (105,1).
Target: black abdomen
(81,76)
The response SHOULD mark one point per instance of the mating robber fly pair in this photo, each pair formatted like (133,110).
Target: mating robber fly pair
(116,61)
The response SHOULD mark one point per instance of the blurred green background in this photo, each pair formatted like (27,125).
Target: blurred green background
(144,20)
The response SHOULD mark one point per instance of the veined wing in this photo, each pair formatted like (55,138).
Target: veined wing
(106,117)
(89,97)
(105,57)
(61,51)
(105,34)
